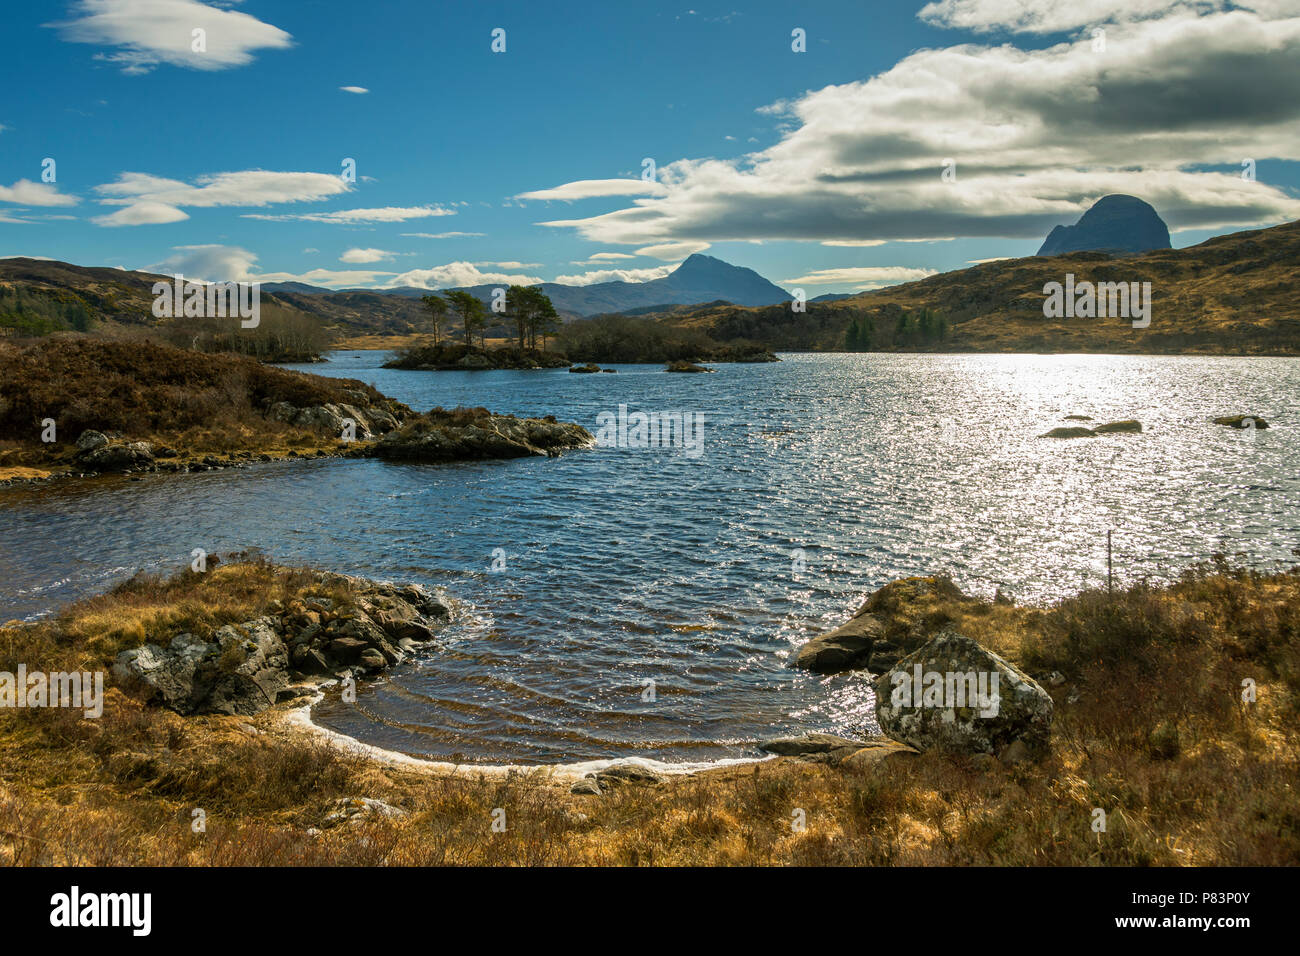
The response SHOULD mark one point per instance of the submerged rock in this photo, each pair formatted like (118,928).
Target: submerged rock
(1241,421)
(1074,431)
(1129,425)
(952,694)
(686,367)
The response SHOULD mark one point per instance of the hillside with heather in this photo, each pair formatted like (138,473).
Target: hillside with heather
(1234,294)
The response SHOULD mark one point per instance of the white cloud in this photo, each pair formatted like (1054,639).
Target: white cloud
(360,256)
(354,89)
(359,216)
(861,277)
(150,32)
(28,193)
(440,235)
(153,199)
(329,278)
(616,275)
(672,250)
(211,263)
(142,214)
(593,188)
(599,256)
(510,265)
(455,274)
(1038,135)
(1050,16)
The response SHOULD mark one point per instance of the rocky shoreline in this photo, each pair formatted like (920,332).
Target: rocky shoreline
(437,436)
(286,653)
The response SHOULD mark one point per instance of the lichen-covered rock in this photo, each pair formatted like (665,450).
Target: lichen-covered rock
(90,439)
(952,694)
(243,669)
(356,810)
(136,454)
(626,773)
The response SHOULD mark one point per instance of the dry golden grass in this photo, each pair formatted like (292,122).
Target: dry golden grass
(199,405)
(1149,727)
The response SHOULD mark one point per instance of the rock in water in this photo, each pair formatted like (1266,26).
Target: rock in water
(1241,421)
(1129,425)
(1115,223)
(952,694)
(845,648)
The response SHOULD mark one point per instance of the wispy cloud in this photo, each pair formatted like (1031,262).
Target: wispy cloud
(354,89)
(27,193)
(594,188)
(359,216)
(152,199)
(860,277)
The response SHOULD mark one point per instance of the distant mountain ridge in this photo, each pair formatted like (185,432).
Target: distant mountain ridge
(697,280)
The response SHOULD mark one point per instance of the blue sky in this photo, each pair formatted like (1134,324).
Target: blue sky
(820,169)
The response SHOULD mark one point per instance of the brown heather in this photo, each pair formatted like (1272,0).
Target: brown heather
(197,403)
(1149,727)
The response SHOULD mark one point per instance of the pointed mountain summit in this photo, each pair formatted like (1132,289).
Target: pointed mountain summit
(1115,223)
(703,279)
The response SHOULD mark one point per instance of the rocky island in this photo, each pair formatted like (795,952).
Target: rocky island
(78,405)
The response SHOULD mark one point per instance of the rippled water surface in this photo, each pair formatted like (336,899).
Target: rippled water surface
(627,566)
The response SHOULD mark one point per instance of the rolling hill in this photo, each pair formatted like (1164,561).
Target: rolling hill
(1233,294)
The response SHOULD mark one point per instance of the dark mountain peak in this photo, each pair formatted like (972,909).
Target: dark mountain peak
(699,265)
(1115,223)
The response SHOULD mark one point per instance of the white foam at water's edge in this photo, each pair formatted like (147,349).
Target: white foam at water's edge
(300,717)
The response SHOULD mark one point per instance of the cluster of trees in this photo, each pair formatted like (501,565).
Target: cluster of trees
(859,335)
(622,338)
(36,314)
(922,327)
(281,335)
(527,307)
